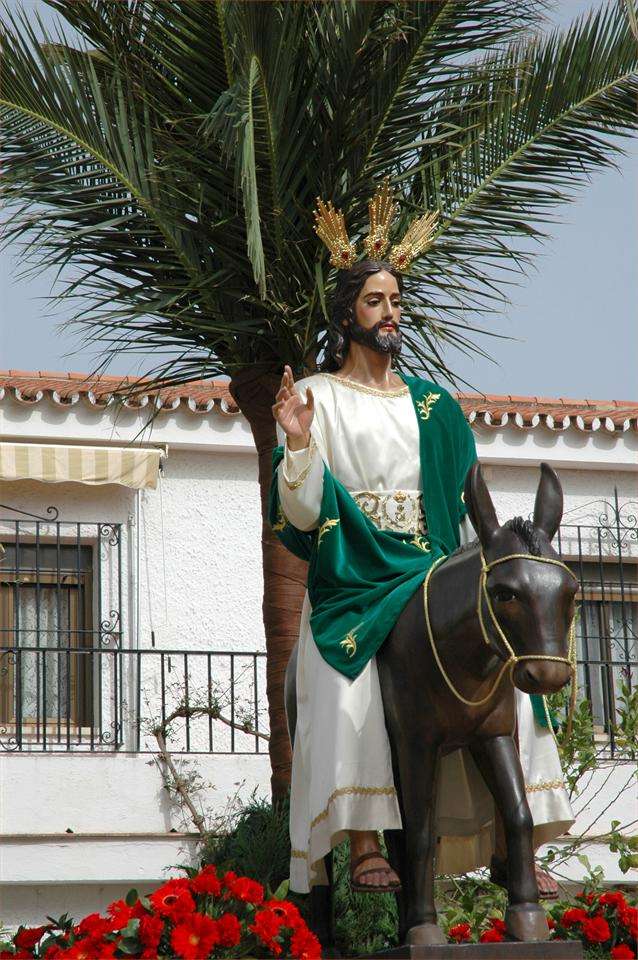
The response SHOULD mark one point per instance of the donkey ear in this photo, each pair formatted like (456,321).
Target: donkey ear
(548,506)
(479,504)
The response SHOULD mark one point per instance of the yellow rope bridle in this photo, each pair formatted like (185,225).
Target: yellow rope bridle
(512,659)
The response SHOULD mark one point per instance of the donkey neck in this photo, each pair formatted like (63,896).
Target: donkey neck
(454,592)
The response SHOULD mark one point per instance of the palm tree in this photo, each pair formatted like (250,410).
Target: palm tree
(166,156)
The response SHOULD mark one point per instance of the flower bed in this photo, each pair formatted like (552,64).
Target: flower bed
(194,917)
(606,924)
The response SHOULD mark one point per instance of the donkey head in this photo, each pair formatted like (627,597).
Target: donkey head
(533,602)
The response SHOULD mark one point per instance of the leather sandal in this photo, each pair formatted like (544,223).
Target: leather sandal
(368,887)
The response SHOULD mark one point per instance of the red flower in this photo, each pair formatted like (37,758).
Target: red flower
(94,926)
(88,949)
(27,937)
(151,929)
(194,937)
(622,952)
(229,930)
(121,913)
(247,890)
(54,952)
(497,924)
(460,933)
(104,951)
(287,911)
(613,899)
(173,899)
(551,923)
(266,927)
(573,916)
(304,945)
(628,916)
(228,879)
(596,929)
(491,936)
(207,881)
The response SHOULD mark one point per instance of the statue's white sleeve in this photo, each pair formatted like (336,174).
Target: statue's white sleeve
(466,530)
(300,480)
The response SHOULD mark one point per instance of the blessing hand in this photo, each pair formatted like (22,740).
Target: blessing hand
(291,413)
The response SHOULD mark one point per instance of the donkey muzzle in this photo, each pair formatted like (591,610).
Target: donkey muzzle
(541,676)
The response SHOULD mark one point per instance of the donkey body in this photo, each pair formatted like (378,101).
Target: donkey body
(533,603)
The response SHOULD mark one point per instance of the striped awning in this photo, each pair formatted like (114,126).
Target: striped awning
(55,463)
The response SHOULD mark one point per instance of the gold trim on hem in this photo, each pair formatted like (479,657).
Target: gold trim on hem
(346,791)
(544,785)
(298,855)
(399,392)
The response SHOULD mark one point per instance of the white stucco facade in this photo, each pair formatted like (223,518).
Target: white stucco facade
(191,580)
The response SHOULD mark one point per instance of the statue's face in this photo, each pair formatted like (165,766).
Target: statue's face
(378,314)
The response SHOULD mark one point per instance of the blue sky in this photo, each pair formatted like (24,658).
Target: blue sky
(574,317)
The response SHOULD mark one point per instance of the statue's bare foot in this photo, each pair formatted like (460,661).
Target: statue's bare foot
(370,872)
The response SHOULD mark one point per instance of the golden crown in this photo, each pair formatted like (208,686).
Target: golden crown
(330,227)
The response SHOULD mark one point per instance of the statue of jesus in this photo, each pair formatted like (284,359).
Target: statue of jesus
(357,417)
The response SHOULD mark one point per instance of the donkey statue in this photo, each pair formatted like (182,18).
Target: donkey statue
(496,614)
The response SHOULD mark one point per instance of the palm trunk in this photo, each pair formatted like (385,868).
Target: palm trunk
(254,392)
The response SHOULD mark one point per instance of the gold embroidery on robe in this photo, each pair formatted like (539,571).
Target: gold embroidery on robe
(422,543)
(349,642)
(544,785)
(425,405)
(281,520)
(352,791)
(324,528)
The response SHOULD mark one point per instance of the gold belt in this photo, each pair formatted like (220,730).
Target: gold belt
(400,510)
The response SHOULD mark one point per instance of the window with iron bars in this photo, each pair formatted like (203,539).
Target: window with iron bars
(607,626)
(60,627)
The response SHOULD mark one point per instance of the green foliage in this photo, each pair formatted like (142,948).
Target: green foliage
(365,923)
(626,730)
(469,900)
(167,160)
(254,844)
(578,749)
(624,846)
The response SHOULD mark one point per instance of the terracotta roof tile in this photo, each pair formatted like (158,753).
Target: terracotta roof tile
(203,396)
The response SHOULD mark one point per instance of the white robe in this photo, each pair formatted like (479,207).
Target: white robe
(342,772)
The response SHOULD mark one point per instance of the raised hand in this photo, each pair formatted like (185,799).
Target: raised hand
(291,413)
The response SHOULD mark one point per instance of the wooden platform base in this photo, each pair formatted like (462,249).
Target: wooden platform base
(547,950)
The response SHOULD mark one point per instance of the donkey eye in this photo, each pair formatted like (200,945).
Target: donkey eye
(503,595)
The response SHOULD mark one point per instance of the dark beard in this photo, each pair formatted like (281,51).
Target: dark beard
(375,340)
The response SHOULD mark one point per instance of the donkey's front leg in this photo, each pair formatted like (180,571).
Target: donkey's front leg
(418,795)
(498,761)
